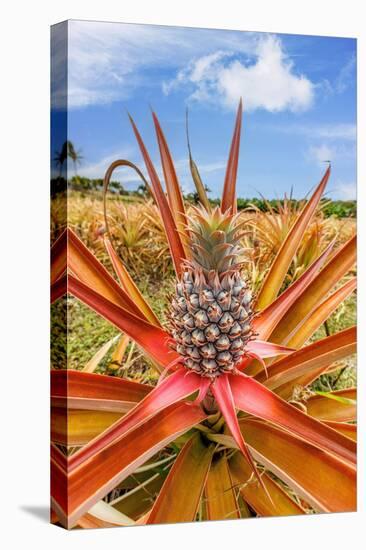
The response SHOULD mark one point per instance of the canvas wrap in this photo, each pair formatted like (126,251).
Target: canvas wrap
(203,275)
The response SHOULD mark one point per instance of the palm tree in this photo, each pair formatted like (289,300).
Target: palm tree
(67,151)
(60,157)
(75,155)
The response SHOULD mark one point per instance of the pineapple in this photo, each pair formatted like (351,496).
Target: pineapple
(211,310)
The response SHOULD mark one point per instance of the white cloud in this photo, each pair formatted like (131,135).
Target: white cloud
(335,131)
(267,82)
(346,191)
(345,76)
(347,132)
(321,153)
(129,178)
(330,151)
(107,61)
(96,170)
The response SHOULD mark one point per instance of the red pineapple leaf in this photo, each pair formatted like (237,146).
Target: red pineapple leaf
(322,480)
(222,392)
(95,477)
(254,398)
(265,323)
(129,285)
(93,392)
(267,349)
(174,388)
(281,263)
(175,197)
(254,494)
(314,293)
(85,266)
(175,243)
(229,194)
(59,257)
(320,314)
(178,499)
(151,338)
(59,288)
(311,358)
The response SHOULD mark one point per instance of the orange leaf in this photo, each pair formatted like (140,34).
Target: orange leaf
(119,352)
(59,487)
(267,320)
(254,398)
(151,338)
(326,408)
(175,197)
(59,257)
(315,292)
(349,430)
(228,201)
(95,392)
(175,243)
(78,427)
(174,388)
(328,484)
(219,494)
(317,355)
(138,502)
(85,266)
(129,285)
(58,288)
(254,495)
(93,479)
(320,314)
(84,405)
(282,262)
(180,495)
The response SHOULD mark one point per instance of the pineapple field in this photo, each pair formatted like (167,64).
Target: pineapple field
(205,343)
(142,245)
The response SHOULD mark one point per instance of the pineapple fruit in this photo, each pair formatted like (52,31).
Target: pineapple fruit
(211,310)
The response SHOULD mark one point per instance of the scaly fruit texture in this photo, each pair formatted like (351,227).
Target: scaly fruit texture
(211,311)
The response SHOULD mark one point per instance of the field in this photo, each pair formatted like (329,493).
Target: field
(140,241)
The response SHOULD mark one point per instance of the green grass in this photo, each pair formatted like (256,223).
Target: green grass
(345,376)
(87,332)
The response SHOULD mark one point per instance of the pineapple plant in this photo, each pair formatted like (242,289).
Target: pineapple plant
(211,365)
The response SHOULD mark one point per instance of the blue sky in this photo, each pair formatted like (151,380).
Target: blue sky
(299,95)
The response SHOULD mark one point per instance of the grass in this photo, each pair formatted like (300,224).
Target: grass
(87,332)
(345,376)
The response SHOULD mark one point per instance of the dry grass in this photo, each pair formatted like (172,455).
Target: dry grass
(139,238)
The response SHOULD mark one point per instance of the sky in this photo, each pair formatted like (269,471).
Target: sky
(299,98)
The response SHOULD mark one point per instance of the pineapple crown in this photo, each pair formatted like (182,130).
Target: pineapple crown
(215,240)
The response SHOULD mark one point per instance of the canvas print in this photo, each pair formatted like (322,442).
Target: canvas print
(203,275)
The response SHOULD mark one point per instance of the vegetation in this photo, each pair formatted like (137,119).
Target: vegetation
(336,209)
(247,407)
